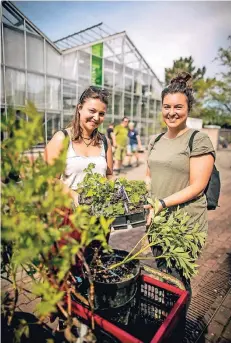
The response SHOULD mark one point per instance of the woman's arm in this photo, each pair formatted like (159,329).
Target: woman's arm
(109,160)
(200,172)
(52,152)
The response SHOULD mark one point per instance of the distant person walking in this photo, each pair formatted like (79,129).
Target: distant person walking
(111,135)
(121,141)
(134,144)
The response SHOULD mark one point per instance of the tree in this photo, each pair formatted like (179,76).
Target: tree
(185,64)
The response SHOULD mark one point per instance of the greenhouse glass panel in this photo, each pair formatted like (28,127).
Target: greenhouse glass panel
(70,66)
(136,106)
(127,105)
(118,104)
(2,88)
(15,87)
(53,93)
(12,19)
(35,89)
(14,48)
(53,61)
(128,84)
(69,95)
(53,124)
(151,113)
(118,75)
(84,64)
(67,119)
(108,79)
(109,106)
(144,108)
(83,84)
(35,53)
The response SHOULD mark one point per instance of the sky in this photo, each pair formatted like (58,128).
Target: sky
(161,30)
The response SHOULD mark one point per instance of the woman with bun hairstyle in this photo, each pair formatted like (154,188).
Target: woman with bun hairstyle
(175,175)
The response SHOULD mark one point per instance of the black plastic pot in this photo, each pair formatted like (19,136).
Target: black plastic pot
(137,219)
(115,295)
(120,223)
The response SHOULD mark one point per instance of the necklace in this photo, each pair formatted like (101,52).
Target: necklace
(87,144)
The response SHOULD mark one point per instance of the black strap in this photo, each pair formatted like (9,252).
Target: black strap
(64,131)
(190,143)
(158,138)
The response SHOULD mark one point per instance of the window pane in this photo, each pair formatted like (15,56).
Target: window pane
(67,120)
(108,79)
(53,124)
(15,87)
(118,75)
(83,84)
(70,66)
(53,60)
(151,108)
(14,48)
(118,103)
(11,18)
(84,64)
(144,107)
(69,95)
(35,89)
(136,106)
(35,56)
(128,84)
(53,93)
(127,105)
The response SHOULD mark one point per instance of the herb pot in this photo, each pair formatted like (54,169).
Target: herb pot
(114,293)
(120,223)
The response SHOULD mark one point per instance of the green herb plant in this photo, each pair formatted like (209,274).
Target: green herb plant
(35,239)
(102,195)
(180,243)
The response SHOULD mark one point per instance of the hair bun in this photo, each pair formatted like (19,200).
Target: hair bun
(183,77)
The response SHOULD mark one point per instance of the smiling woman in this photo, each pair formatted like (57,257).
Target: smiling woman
(176,174)
(86,143)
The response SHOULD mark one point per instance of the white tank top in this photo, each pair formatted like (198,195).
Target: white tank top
(75,165)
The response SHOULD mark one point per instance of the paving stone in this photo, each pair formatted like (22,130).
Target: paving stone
(30,307)
(227,332)
(214,331)
(222,315)
(227,301)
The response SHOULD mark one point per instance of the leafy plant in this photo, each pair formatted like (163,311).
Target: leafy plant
(180,244)
(107,197)
(36,236)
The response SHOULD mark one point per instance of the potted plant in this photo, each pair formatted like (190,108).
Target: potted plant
(120,199)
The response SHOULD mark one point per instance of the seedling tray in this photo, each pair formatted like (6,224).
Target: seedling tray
(158,315)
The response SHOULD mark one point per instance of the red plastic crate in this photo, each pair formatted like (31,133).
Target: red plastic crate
(160,305)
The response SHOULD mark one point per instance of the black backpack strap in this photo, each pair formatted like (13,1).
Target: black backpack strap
(190,143)
(64,131)
(152,142)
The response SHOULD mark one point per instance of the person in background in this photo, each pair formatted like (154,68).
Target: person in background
(175,175)
(111,136)
(134,144)
(121,141)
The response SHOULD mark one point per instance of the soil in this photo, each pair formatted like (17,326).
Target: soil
(119,274)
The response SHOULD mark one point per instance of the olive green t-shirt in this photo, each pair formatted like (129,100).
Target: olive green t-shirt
(121,134)
(168,161)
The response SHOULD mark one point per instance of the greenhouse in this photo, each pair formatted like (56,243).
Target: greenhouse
(53,74)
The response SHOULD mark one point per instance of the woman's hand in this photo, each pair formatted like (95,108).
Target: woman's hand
(151,212)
